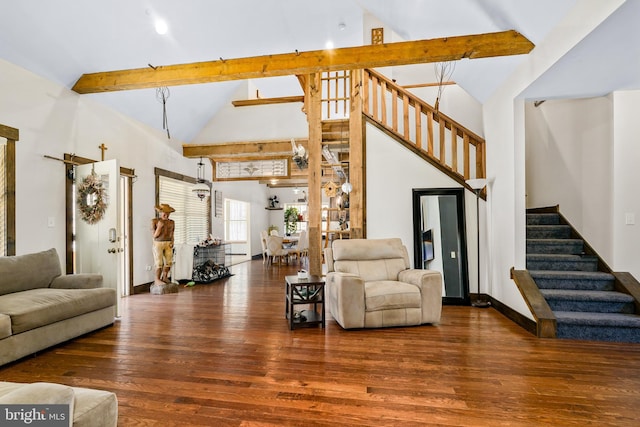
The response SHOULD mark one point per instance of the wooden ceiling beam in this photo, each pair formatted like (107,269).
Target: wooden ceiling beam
(383,55)
(234,149)
(267,101)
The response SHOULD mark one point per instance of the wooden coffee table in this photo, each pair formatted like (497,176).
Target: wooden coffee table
(309,292)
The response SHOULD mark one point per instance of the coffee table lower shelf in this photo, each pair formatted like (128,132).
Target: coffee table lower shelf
(308,295)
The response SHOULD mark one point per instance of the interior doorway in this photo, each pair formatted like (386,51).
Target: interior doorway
(91,248)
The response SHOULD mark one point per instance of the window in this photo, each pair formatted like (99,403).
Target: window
(236,220)
(302,209)
(192,216)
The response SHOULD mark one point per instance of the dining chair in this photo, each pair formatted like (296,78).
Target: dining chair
(263,242)
(301,247)
(275,249)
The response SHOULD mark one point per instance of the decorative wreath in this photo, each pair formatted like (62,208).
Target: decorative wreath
(92,198)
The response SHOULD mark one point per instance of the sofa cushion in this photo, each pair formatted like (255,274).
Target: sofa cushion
(368,270)
(388,295)
(95,408)
(371,259)
(90,407)
(40,394)
(5,326)
(30,271)
(38,307)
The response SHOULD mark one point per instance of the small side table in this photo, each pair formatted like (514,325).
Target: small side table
(308,291)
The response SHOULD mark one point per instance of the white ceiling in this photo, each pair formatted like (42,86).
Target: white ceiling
(61,40)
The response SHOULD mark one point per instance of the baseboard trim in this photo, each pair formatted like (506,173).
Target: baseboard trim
(520,320)
(144,288)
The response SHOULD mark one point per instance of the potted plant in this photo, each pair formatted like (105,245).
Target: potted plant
(290,219)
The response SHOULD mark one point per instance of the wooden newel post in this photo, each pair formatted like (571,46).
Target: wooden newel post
(313,95)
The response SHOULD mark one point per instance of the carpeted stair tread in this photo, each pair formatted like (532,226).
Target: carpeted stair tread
(558,231)
(582,275)
(555,246)
(598,319)
(543,218)
(573,295)
(562,262)
(588,301)
(578,280)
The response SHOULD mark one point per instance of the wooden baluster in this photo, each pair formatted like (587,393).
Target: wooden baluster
(374,96)
(394,110)
(480,159)
(346,87)
(365,92)
(430,132)
(466,159)
(383,102)
(418,111)
(454,148)
(405,116)
(443,157)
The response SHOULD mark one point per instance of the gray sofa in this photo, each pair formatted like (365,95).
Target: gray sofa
(40,307)
(87,407)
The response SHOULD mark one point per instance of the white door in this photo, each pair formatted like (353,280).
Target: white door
(98,238)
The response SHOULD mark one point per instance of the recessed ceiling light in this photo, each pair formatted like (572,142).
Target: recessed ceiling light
(328,45)
(161,26)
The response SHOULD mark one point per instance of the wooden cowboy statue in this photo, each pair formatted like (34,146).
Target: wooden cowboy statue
(163,243)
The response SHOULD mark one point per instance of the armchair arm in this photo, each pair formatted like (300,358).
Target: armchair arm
(345,299)
(77,281)
(430,284)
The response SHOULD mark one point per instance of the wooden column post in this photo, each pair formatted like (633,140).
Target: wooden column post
(313,95)
(356,159)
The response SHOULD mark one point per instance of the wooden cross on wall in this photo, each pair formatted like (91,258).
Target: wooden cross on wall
(102,148)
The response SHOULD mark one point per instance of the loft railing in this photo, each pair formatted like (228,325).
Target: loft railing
(335,94)
(435,135)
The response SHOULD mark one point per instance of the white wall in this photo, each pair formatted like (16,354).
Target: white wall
(53,120)
(569,162)
(392,173)
(254,123)
(626,176)
(582,154)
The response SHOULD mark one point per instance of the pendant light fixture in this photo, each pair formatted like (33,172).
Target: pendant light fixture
(201,189)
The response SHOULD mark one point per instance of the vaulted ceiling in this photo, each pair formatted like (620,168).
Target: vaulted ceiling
(65,39)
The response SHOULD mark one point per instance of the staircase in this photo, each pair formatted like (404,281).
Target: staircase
(583,298)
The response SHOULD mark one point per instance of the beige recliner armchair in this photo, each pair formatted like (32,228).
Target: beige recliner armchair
(369,285)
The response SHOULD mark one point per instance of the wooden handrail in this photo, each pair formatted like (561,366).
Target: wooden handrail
(407,116)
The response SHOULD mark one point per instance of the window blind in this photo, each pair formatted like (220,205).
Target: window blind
(192,215)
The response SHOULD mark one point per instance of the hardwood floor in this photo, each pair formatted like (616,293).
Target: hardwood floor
(222,355)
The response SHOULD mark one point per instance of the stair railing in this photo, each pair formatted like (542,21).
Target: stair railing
(431,132)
